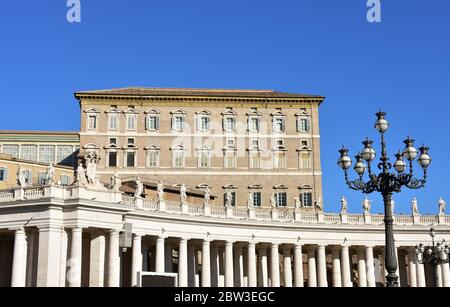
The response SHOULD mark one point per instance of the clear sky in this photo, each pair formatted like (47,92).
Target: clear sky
(323,47)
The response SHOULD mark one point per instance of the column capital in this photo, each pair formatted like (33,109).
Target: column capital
(207,241)
(114,231)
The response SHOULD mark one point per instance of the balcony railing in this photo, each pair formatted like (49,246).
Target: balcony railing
(238,213)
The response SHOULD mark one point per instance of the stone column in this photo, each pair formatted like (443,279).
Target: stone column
(114,259)
(49,261)
(215,266)
(251,258)
(229,281)
(370,266)
(445,275)
(420,271)
(63,258)
(275,266)
(19,265)
(183,264)
(263,267)
(298,266)
(74,277)
(438,273)
(168,257)
(312,275)
(322,266)
(412,268)
(287,262)
(160,260)
(362,276)
(337,279)
(97,261)
(206,263)
(192,265)
(136,260)
(346,267)
(238,267)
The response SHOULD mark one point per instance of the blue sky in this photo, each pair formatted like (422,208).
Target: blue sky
(324,47)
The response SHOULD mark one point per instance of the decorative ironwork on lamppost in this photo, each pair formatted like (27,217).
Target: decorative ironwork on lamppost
(386,182)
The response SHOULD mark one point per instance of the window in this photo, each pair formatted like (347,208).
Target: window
(254,158)
(178,123)
(254,124)
(278,124)
(153,123)
(3,174)
(12,150)
(92,122)
(281,198)
(304,124)
(279,161)
(257,199)
(204,160)
(113,121)
(130,141)
(153,158)
(113,141)
(131,159)
(47,154)
(230,142)
(304,143)
(255,143)
(306,198)
(28,152)
(280,142)
(305,159)
(204,123)
(230,159)
(64,153)
(28,177)
(131,121)
(112,159)
(230,123)
(65,180)
(42,178)
(178,158)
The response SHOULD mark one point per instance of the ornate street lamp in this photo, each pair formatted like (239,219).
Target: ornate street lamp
(386,182)
(437,253)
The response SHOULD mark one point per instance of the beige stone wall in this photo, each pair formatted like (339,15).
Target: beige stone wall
(12,167)
(216,175)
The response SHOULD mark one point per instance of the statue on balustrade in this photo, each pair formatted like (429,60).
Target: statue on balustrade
(207,196)
(273,201)
(20,178)
(344,205)
(183,193)
(366,205)
(139,188)
(160,191)
(228,198)
(250,203)
(414,207)
(442,206)
(92,159)
(81,175)
(318,204)
(116,182)
(297,202)
(50,175)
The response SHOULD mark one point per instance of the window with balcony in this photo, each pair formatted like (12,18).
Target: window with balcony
(281,199)
(178,120)
(112,159)
(152,120)
(3,174)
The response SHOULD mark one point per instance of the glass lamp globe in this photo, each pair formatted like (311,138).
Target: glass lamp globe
(344,161)
(360,167)
(368,152)
(382,124)
(400,165)
(410,153)
(424,159)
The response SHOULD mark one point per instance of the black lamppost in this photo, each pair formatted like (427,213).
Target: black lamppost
(386,182)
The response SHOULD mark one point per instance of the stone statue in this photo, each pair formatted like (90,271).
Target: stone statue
(297,202)
(366,205)
(20,178)
(318,204)
(414,207)
(228,198)
(344,205)
(183,193)
(92,159)
(139,188)
(250,203)
(116,183)
(273,201)
(50,175)
(160,191)
(207,195)
(81,175)
(442,206)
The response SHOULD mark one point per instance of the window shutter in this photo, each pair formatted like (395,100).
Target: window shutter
(308,125)
(199,123)
(284,125)
(157,122)
(248,124)
(223,123)
(6,173)
(147,123)
(172,123)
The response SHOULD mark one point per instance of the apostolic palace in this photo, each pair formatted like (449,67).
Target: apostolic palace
(216,188)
